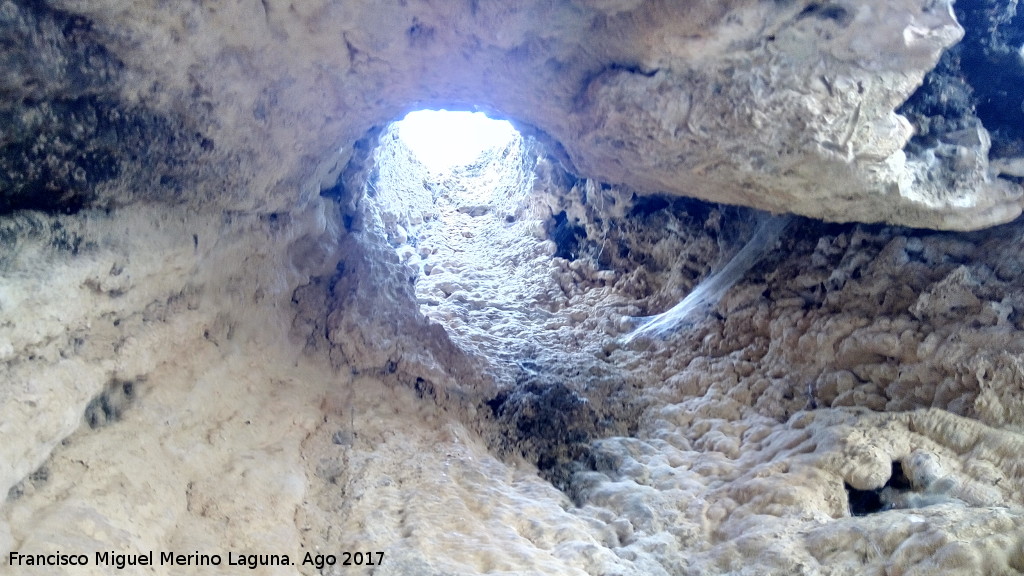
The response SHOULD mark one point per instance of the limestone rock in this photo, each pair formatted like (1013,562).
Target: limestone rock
(788,107)
(215,334)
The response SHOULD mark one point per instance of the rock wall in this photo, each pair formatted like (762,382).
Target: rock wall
(787,107)
(849,405)
(209,344)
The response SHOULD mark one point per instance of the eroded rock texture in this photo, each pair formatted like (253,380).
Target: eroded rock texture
(782,106)
(235,315)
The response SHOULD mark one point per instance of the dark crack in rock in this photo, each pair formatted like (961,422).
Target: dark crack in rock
(111,404)
(553,424)
(977,83)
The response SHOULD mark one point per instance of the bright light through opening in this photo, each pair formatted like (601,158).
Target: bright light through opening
(442,140)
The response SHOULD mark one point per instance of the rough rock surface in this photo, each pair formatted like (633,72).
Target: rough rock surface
(855,370)
(787,107)
(235,318)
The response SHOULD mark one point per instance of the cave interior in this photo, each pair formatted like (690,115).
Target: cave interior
(732,288)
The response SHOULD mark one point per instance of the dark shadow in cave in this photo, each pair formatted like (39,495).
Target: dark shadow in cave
(864,502)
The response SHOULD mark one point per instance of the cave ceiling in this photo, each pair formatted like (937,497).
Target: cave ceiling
(255,105)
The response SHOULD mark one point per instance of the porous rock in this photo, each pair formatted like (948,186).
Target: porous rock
(230,322)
